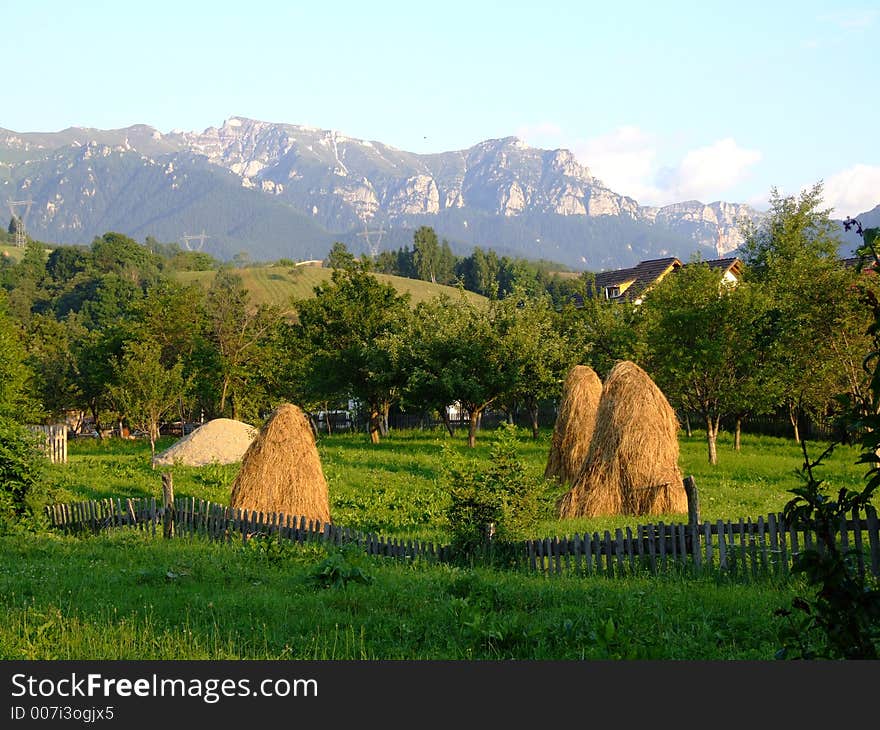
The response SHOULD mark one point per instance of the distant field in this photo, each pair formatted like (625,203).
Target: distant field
(279,284)
(12,251)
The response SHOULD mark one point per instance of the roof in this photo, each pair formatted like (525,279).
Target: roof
(634,281)
(733,265)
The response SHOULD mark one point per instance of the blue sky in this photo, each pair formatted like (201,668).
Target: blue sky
(663,101)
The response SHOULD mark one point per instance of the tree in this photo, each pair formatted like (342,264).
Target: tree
(456,355)
(145,389)
(599,332)
(701,336)
(236,329)
(15,402)
(340,257)
(426,254)
(792,256)
(351,331)
(533,349)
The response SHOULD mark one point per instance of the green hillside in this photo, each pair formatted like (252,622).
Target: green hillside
(279,284)
(12,252)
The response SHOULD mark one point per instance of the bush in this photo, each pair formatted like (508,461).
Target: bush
(490,507)
(21,465)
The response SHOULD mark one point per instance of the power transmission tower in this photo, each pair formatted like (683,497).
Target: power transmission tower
(20,235)
(200,237)
(372,244)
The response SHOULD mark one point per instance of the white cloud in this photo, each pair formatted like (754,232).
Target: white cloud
(706,172)
(624,160)
(853,191)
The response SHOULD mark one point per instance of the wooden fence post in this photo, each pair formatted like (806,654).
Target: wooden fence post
(690,489)
(168,504)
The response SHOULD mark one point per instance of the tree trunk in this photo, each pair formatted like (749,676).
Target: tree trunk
(375,425)
(386,414)
(737,434)
(533,412)
(472,430)
(711,436)
(794,417)
(223,393)
(444,414)
(687,425)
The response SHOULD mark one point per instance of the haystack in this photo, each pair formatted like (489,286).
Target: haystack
(281,470)
(220,441)
(574,424)
(632,464)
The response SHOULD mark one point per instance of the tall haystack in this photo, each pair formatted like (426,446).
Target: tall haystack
(574,425)
(632,464)
(281,470)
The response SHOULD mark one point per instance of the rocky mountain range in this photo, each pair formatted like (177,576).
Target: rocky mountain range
(281,190)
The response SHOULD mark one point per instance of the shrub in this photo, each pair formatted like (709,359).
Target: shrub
(493,506)
(21,464)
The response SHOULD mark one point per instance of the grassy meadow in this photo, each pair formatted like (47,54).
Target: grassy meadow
(277,285)
(128,595)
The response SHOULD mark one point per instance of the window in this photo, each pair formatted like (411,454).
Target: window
(612,292)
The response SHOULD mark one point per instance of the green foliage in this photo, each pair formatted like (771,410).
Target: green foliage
(703,344)
(496,503)
(840,619)
(146,390)
(21,469)
(350,331)
(343,565)
(14,374)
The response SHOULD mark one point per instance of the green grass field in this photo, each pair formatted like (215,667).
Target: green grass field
(128,595)
(277,285)
(13,252)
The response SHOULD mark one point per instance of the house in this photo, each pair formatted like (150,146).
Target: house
(631,285)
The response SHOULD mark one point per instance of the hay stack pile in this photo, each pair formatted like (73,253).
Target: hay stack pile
(281,470)
(221,441)
(574,425)
(632,464)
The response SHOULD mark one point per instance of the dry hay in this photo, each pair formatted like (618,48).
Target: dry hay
(632,465)
(281,470)
(220,441)
(574,424)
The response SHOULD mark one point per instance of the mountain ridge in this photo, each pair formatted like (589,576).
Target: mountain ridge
(314,186)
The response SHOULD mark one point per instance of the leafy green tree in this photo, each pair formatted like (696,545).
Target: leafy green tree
(426,254)
(146,390)
(15,401)
(599,332)
(457,355)
(792,255)
(236,329)
(340,257)
(52,359)
(115,253)
(840,617)
(534,351)
(350,331)
(701,337)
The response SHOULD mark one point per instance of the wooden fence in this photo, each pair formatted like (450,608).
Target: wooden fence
(188,516)
(746,548)
(55,445)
